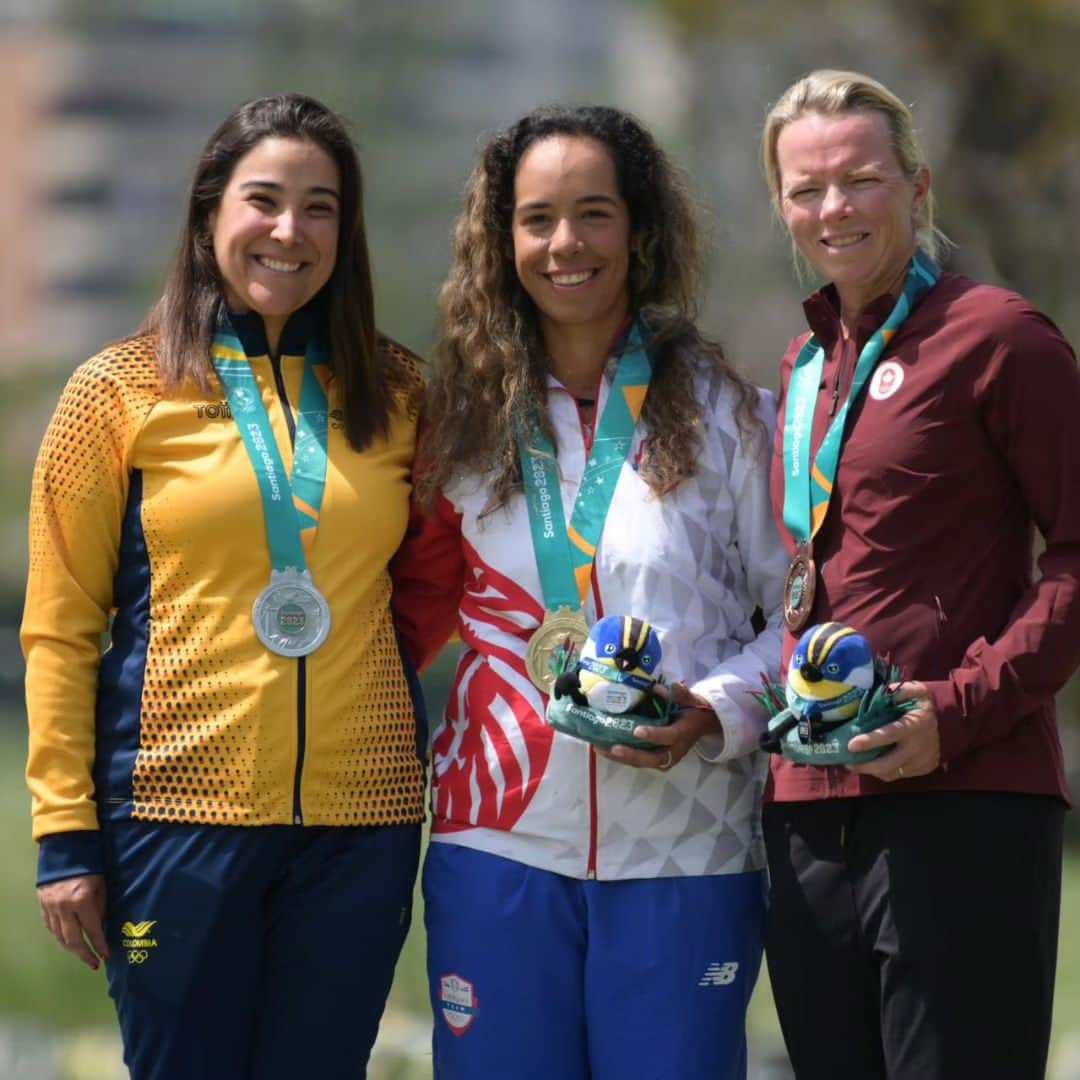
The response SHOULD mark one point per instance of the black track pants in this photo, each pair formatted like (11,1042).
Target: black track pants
(914,937)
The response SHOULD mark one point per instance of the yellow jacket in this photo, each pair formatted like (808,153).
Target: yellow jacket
(148,509)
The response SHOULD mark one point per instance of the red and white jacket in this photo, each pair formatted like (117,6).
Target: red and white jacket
(694,563)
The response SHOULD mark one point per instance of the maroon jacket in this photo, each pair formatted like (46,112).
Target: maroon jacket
(965,440)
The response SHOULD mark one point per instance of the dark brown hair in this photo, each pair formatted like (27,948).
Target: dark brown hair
(183,318)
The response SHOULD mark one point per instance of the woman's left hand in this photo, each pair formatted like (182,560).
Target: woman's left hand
(674,740)
(914,740)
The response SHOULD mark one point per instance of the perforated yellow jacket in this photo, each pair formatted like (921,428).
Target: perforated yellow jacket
(147,508)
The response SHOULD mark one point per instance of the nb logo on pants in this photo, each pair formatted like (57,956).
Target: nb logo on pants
(719,974)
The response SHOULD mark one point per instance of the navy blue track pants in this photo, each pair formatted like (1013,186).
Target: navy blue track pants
(254,953)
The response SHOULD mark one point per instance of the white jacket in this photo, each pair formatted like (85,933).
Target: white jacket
(694,564)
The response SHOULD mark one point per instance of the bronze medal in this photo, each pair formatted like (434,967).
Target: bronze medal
(799,588)
(553,632)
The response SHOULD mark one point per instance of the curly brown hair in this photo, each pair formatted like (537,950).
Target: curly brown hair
(490,365)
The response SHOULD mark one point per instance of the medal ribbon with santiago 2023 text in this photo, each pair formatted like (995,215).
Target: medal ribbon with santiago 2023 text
(807,489)
(291,506)
(565,553)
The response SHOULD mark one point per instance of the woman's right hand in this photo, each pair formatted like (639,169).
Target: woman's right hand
(74,913)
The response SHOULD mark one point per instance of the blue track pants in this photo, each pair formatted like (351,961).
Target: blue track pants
(535,975)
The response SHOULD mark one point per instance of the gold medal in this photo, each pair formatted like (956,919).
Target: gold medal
(557,628)
(799,587)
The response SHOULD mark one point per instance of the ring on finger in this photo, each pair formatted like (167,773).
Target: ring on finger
(900,772)
(667,762)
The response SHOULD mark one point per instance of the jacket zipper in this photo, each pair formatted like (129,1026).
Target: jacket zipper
(835,775)
(301,661)
(594,793)
(593,823)
(841,382)
(588,431)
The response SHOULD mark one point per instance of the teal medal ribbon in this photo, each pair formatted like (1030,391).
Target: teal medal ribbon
(291,616)
(808,488)
(565,552)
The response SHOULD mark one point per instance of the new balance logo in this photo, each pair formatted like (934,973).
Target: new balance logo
(719,974)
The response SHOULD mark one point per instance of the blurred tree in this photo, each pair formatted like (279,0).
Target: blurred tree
(1013,164)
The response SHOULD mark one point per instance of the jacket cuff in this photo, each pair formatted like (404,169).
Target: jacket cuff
(953,737)
(739,726)
(711,747)
(70,854)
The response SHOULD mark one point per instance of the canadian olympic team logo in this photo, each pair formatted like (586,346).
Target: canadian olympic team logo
(888,378)
(457,1002)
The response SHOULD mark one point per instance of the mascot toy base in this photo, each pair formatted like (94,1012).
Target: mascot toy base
(602,728)
(836,689)
(828,749)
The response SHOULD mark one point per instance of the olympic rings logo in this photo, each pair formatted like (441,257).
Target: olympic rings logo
(137,956)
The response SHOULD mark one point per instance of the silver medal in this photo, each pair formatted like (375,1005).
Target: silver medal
(292,618)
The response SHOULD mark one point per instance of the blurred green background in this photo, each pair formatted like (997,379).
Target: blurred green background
(107,102)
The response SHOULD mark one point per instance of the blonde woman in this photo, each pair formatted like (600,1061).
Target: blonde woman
(913,923)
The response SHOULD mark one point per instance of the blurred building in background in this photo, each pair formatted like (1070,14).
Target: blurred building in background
(107,103)
(98,133)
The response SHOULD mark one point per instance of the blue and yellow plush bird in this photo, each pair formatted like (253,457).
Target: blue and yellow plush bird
(836,689)
(618,664)
(830,671)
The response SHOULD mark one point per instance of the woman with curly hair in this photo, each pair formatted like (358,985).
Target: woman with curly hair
(612,895)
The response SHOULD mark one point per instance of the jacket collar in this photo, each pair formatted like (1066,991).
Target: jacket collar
(302,325)
(822,311)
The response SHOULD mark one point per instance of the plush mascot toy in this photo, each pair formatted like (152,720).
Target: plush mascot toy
(617,666)
(602,694)
(836,689)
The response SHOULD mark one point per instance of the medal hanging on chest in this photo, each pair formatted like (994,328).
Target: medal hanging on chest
(291,617)
(558,630)
(565,552)
(800,586)
(808,488)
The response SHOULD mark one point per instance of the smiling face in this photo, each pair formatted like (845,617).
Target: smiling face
(847,204)
(275,230)
(571,232)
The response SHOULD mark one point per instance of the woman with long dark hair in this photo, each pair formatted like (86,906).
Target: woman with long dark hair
(228,800)
(593,912)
